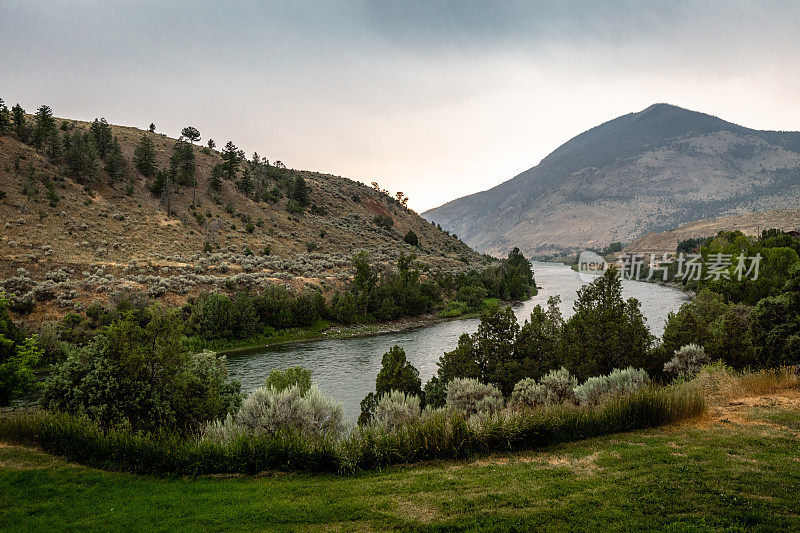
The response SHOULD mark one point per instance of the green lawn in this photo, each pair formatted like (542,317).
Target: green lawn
(732,475)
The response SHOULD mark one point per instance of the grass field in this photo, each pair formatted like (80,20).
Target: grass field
(738,468)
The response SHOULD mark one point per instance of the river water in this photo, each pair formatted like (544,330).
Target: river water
(346,368)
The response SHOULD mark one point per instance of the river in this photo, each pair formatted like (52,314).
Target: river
(346,368)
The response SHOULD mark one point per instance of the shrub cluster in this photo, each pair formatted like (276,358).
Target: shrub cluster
(268,412)
(472,397)
(687,361)
(395,410)
(597,389)
(436,435)
(747,321)
(137,373)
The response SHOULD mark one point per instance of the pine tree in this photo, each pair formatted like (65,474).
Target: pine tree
(82,158)
(299,191)
(5,118)
(230,157)
(152,128)
(55,148)
(245,183)
(103,138)
(183,167)
(18,117)
(159,183)
(191,133)
(144,157)
(163,186)
(211,144)
(45,126)
(215,183)
(115,162)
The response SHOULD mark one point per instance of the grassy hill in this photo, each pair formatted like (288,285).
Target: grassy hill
(641,172)
(65,244)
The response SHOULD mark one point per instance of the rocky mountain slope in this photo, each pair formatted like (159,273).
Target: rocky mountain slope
(639,173)
(747,223)
(64,244)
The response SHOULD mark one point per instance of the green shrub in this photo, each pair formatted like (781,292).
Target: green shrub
(411,238)
(295,208)
(396,409)
(599,388)
(383,221)
(268,412)
(527,393)
(291,377)
(437,435)
(212,316)
(559,387)
(143,377)
(472,295)
(470,396)
(687,361)
(454,309)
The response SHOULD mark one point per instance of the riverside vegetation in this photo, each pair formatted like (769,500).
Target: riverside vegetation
(134,397)
(486,397)
(735,468)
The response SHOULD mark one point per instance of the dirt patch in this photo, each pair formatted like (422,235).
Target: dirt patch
(19,458)
(738,410)
(581,465)
(417,511)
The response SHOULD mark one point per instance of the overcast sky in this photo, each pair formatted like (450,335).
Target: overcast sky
(437,99)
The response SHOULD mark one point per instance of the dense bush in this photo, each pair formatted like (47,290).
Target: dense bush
(142,376)
(411,238)
(269,412)
(471,397)
(599,388)
(559,387)
(396,409)
(18,357)
(436,435)
(218,316)
(687,361)
(527,394)
(385,297)
(291,377)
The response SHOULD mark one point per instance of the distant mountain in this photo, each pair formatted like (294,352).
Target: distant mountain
(642,172)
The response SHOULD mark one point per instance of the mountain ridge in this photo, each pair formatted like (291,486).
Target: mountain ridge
(596,169)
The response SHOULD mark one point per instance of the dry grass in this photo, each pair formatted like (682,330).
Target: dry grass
(721,384)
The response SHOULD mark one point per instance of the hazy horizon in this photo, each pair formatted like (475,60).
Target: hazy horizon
(438,100)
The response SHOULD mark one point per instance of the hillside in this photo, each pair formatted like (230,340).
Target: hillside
(65,244)
(747,223)
(642,172)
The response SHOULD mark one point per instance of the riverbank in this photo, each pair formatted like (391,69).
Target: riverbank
(672,284)
(325,329)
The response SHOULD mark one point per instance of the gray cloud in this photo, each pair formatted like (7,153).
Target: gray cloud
(438,99)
